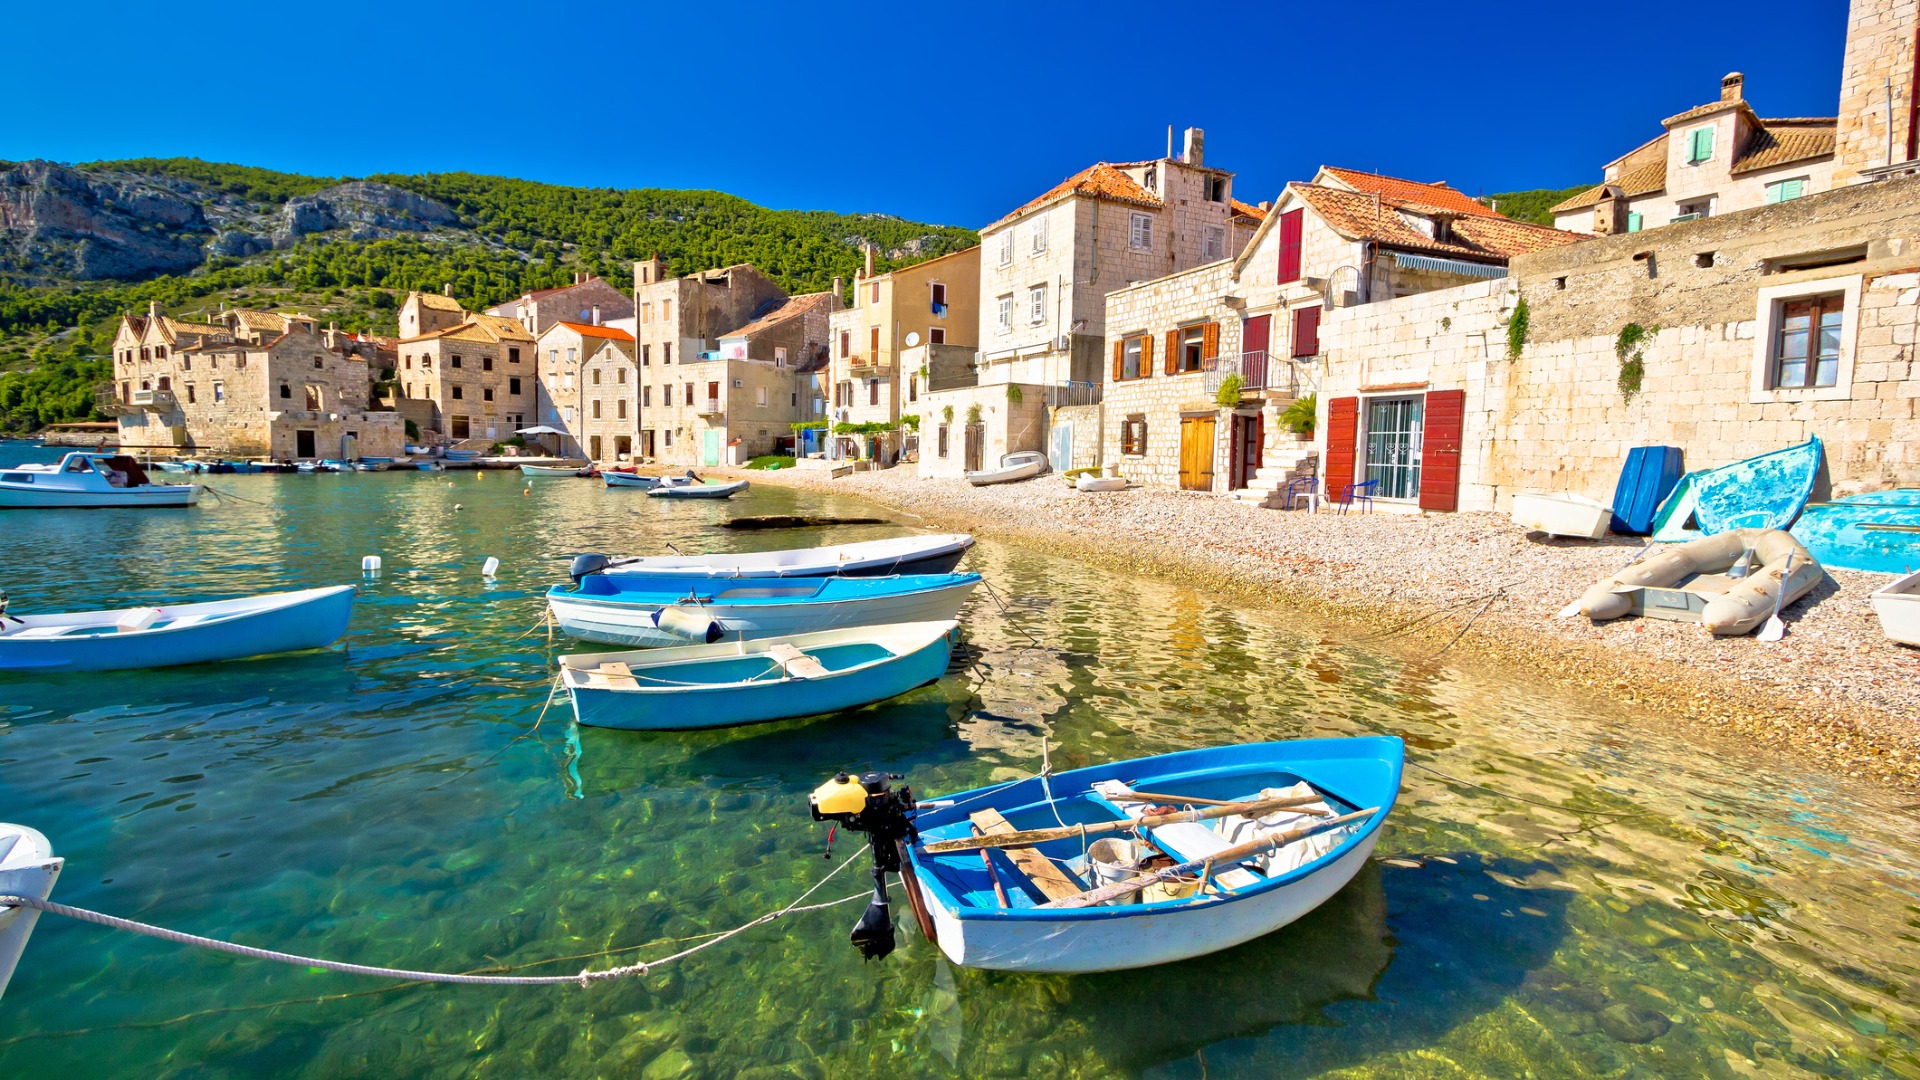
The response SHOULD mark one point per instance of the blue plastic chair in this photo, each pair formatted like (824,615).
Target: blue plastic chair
(1362,492)
(1306,487)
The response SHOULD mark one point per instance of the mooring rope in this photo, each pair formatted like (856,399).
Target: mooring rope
(583,978)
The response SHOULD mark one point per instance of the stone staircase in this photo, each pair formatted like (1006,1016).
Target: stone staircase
(1279,465)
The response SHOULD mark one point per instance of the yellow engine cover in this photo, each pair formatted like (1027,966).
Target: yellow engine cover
(840,797)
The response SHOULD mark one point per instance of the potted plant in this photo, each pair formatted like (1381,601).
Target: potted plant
(1301,416)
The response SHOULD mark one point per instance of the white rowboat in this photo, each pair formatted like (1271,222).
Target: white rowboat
(1562,515)
(1898,606)
(1020,465)
(183,634)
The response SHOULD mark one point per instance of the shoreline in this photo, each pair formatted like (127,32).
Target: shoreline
(1835,693)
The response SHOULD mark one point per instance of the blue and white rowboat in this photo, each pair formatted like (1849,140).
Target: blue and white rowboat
(937,554)
(1877,531)
(1767,491)
(753,682)
(702,490)
(1039,929)
(633,609)
(183,634)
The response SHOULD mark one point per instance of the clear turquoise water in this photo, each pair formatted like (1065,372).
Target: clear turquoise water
(1684,909)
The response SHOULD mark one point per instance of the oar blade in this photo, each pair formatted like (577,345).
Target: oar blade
(1774,630)
(1569,611)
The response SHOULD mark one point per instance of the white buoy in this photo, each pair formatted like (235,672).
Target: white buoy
(456,506)
(28,867)
(371,564)
(487,568)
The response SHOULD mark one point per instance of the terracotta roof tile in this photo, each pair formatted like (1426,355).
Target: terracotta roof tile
(1480,237)
(501,327)
(795,306)
(1782,145)
(1101,180)
(260,320)
(1251,213)
(605,333)
(1644,180)
(438,301)
(1708,109)
(1439,196)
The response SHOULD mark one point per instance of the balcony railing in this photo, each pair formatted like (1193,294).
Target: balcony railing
(1257,371)
(1060,395)
(153,400)
(711,407)
(863,366)
(106,402)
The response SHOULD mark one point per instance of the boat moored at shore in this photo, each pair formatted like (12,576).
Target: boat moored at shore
(88,481)
(177,634)
(648,610)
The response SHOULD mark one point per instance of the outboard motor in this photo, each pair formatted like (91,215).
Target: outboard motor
(870,806)
(584,565)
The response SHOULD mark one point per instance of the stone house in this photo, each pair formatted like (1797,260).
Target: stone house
(425,312)
(252,384)
(1711,159)
(1202,363)
(932,303)
(589,300)
(755,379)
(609,410)
(467,379)
(676,320)
(1726,336)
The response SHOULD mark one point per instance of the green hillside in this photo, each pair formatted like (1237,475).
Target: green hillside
(1532,205)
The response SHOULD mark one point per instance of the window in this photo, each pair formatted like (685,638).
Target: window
(1291,223)
(594,376)
(689,393)
(646,356)
(666,353)
(313,398)
(190,398)
(1193,347)
(1634,221)
(760,396)
(779,356)
(486,363)
(1140,233)
(1006,313)
(1216,189)
(1693,209)
(219,392)
(553,358)
(1037,304)
(873,293)
(1040,235)
(513,355)
(873,391)
(619,376)
(1135,359)
(620,409)
(1394,438)
(1213,243)
(572,355)
(1700,145)
(594,409)
(873,344)
(317,363)
(285,390)
(1133,435)
(940,298)
(913,388)
(846,343)
(943,440)
(667,436)
(1306,331)
(1806,342)
(1006,247)
(513,386)
(186,363)
(241,361)
(666,394)
(459,394)
(1786,190)
(666,311)
(936,335)
(646,397)
(456,360)
(486,393)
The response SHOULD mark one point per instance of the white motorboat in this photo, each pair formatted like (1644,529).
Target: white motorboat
(83,480)
(1898,606)
(614,478)
(1562,515)
(1019,465)
(937,554)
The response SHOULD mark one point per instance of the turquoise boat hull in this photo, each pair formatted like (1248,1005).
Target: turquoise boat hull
(185,634)
(1876,531)
(1763,492)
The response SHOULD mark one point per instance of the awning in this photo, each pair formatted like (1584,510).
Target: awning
(541,430)
(1447,266)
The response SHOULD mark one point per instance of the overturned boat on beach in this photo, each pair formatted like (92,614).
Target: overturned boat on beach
(1729,583)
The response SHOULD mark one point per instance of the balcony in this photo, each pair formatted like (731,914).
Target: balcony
(154,400)
(711,407)
(106,402)
(1258,373)
(864,367)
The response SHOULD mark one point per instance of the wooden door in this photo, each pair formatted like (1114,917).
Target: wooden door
(1196,453)
(1440,450)
(1343,433)
(1246,454)
(976,446)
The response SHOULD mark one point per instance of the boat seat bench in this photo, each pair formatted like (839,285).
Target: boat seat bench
(1052,882)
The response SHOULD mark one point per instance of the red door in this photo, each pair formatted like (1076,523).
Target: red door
(1254,333)
(1343,441)
(1440,450)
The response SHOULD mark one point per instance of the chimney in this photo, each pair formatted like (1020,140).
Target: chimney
(1195,150)
(153,309)
(869,250)
(839,284)
(1732,87)
(1169,141)
(596,314)
(1610,213)
(446,290)
(1265,206)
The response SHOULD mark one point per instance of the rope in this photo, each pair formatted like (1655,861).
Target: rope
(230,495)
(583,978)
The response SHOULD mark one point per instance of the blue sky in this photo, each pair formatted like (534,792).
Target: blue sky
(951,114)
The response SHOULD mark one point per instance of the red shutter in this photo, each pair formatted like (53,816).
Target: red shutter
(1445,414)
(1290,223)
(1343,443)
(1306,331)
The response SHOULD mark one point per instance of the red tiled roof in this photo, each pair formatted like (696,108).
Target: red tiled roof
(606,333)
(1782,145)
(1252,213)
(1479,237)
(1100,180)
(1438,195)
(1644,180)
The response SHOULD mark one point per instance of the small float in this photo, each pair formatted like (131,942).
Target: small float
(754,682)
(1763,492)
(652,610)
(1729,583)
(184,634)
(1898,606)
(937,554)
(1877,531)
(1562,515)
(88,481)
(1128,864)
(1019,465)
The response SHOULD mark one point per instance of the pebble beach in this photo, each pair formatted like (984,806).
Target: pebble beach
(1835,692)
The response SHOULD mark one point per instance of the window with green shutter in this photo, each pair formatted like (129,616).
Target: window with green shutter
(1633,222)
(1786,190)
(1702,149)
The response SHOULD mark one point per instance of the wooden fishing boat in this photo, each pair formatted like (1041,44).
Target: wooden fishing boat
(1763,492)
(654,610)
(552,470)
(754,682)
(183,634)
(702,490)
(1291,823)
(88,481)
(1019,465)
(1562,515)
(1729,583)
(1897,604)
(1877,531)
(937,554)
(617,478)
(28,867)
(1647,478)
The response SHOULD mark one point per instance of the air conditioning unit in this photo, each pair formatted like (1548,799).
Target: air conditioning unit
(1066,343)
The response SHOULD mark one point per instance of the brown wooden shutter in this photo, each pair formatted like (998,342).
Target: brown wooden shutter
(1119,360)
(1210,342)
(1445,416)
(1343,444)
(1173,352)
(1146,355)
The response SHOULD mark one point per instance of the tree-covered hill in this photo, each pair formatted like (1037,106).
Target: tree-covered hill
(1534,205)
(81,244)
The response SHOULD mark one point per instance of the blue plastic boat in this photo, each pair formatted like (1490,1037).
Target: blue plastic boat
(1646,480)
(1764,492)
(1010,912)
(753,682)
(1877,531)
(652,610)
(182,634)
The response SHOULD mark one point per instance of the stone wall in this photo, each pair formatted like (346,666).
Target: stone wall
(1007,426)
(1880,46)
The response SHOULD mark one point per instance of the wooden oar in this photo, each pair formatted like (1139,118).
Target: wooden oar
(1774,630)
(1147,796)
(1233,854)
(1152,821)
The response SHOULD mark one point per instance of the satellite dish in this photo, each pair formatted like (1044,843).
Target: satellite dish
(913,338)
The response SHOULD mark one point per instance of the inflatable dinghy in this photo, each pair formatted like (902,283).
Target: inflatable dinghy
(1727,582)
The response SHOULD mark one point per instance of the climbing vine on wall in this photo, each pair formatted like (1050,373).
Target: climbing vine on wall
(1631,348)
(1517,329)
